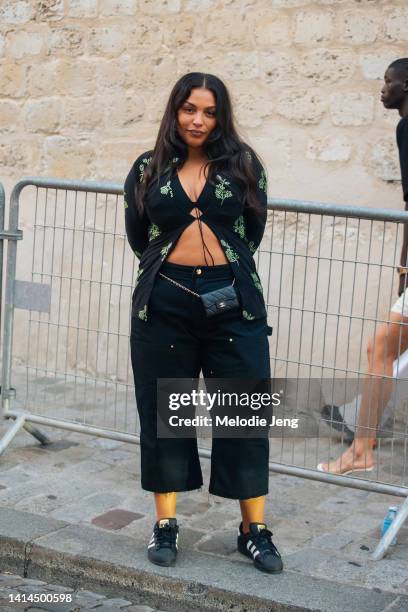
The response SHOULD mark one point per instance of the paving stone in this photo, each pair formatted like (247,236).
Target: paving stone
(387,574)
(141,608)
(116,519)
(53,607)
(59,445)
(221,543)
(56,588)
(189,537)
(87,507)
(110,605)
(331,541)
(189,507)
(400,605)
(31,588)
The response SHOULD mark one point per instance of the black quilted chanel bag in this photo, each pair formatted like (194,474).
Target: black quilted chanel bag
(220,300)
(214,302)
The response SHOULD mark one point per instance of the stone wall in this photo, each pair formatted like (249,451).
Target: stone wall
(84,82)
(83,85)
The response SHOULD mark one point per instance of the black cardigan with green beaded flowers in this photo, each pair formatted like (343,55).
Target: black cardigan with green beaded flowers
(167,213)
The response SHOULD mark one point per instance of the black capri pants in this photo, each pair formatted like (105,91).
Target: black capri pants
(178,341)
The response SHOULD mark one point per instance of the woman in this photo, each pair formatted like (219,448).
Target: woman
(195,212)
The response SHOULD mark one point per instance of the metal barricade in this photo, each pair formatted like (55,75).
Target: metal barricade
(328,273)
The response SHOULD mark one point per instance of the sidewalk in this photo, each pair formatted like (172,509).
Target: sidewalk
(73,513)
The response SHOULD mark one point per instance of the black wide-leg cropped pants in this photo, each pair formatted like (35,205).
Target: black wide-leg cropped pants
(178,341)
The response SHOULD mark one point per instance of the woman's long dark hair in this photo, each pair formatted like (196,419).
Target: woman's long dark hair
(225,150)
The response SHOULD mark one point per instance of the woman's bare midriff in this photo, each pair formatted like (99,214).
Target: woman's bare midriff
(189,248)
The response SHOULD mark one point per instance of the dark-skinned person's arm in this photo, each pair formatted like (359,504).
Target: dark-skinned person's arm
(402,140)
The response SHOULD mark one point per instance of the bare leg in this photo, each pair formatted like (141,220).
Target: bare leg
(390,341)
(165,505)
(252,511)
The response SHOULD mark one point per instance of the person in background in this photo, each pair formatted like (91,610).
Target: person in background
(391,337)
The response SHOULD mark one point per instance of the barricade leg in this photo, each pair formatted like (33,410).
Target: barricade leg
(19,423)
(391,532)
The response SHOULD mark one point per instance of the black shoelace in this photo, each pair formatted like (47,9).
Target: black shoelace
(263,541)
(165,536)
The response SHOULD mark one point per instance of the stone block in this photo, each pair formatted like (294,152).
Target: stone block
(15,12)
(384,160)
(239,65)
(41,77)
(327,65)
(396,27)
(288,3)
(50,10)
(313,27)
(82,8)
(67,158)
(350,108)
(199,5)
(12,80)
(374,65)
(67,40)
(306,108)
(182,31)
(129,109)
(42,115)
(76,78)
(276,66)
(360,27)
(83,113)
(107,41)
(159,7)
(147,34)
(110,8)
(329,149)
(272,28)
(9,116)
(230,28)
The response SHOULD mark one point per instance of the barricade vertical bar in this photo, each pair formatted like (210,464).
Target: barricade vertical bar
(7,392)
(2,213)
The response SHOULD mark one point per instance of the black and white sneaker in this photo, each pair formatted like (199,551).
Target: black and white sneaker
(257,545)
(162,548)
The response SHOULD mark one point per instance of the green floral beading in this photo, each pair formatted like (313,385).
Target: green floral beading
(166,189)
(142,166)
(252,247)
(125,204)
(239,227)
(257,282)
(153,231)
(142,314)
(249,156)
(229,252)
(139,274)
(220,190)
(248,315)
(165,250)
(263,182)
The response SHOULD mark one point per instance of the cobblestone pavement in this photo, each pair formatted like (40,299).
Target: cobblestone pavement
(19,594)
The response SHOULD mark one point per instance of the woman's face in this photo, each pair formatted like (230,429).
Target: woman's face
(196,117)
